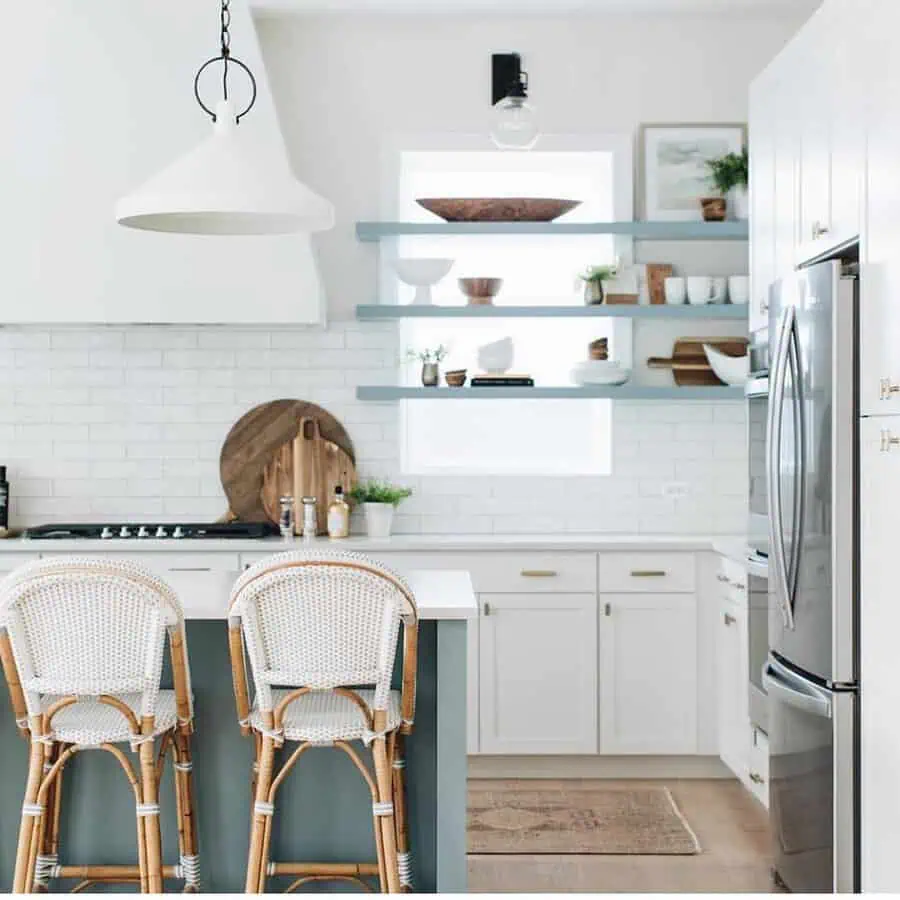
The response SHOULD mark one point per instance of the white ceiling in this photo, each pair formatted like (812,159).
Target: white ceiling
(511,7)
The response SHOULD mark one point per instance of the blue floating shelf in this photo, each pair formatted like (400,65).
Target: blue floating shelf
(386,394)
(379,312)
(646,231)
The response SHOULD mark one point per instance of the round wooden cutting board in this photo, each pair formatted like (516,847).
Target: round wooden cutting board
(257,438)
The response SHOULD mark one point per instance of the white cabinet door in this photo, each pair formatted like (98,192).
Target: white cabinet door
(732,667)
(762,197)
(538,673)
(648,673)
(787,169)
(880,282)
(879,627)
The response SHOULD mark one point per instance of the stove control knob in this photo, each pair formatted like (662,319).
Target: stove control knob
(178,532)
(143,532)
(124,532)
(107,533)
(161,532)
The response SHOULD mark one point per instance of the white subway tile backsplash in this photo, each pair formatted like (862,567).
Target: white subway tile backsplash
(128,422)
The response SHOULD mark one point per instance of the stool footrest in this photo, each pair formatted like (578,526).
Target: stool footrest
(314,868)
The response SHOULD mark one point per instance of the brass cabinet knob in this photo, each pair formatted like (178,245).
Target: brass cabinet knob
(888,440)
(729,619)
(756,778)
(888,388)
(819,230)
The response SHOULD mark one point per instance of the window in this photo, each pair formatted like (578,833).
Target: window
(521,437)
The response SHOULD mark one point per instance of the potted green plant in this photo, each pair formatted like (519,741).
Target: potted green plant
(431,360)
(730,175)
(593,278)
(379,499)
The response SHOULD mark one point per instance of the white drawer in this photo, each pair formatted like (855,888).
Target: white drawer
(642,573)
(759,766)
(732,579)
(532,573)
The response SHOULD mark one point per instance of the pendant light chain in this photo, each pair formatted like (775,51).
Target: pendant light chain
(227,60)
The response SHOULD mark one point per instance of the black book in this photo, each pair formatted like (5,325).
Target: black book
(504,381)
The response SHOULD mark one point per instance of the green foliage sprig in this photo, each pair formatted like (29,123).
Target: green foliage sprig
(428,355)
(375,491)
(729,171)
(599,273)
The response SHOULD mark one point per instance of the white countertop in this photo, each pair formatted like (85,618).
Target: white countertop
(396,544)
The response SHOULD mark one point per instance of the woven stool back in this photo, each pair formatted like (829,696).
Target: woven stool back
(321,620)
(85,627)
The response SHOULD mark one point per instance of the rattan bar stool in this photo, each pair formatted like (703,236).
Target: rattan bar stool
(82,644)
(315,626)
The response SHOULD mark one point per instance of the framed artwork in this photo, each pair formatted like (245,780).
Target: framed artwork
(673,167)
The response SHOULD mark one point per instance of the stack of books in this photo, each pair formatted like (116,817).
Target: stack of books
(504,380)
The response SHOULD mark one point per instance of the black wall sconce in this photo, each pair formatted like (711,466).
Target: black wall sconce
(514,125)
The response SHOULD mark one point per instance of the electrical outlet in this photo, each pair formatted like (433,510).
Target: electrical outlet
(675,490)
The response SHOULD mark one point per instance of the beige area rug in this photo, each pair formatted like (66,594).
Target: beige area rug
(590,820)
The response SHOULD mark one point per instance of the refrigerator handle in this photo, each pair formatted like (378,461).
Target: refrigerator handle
(799,464)
(773,467)
(783,685)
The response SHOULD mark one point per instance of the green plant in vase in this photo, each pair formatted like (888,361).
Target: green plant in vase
(593,278)
(431,360)
(379,499)
(729,175)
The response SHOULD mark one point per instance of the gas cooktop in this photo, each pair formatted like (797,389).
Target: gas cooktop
(159,531)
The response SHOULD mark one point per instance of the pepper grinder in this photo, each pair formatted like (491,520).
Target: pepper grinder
(310,518)
(286,519)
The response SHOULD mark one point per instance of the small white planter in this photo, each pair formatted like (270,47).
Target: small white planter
(379,519)
(739,202)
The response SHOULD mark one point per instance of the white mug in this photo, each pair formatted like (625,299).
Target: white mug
(699,289)
(719,290)
(676,291)
(739,289)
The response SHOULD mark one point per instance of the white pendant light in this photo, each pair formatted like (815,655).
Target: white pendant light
(231,183)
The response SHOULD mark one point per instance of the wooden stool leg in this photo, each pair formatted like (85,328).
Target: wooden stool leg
(150,816)
(259,815)
(22,876)
(398,768)
(187,821)
(385,796)
(43,851)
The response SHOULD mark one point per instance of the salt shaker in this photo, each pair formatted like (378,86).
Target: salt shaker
(286,520)
(310,518)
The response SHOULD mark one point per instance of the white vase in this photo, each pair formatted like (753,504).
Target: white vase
(740,203)
(379,519)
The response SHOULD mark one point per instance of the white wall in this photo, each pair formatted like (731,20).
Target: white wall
(101,98)
(348,86)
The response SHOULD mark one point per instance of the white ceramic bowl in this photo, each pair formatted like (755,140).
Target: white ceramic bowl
(497,357)
(733,370)
(422,274)
(589,372)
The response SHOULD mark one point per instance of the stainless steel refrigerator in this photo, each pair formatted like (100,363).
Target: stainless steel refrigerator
(811,674)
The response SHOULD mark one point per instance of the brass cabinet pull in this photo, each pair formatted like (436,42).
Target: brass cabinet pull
(888,388)
(756,778)
(648,573)
(487,609)
(729,619)
(607,609)
(190,569)
(819,230)
(723,579)
(888,440)
(539,573)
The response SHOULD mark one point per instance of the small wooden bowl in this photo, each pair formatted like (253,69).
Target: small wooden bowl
(456,378)
(480,291)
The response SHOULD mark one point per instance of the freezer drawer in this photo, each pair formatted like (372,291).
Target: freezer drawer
(812,802)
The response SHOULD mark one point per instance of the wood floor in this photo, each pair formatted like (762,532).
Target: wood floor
(731,826)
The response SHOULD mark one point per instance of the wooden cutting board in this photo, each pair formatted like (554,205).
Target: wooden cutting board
(263,438)
(307,466)
(689,364)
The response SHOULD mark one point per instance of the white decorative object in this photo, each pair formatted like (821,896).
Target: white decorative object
(232,183)
(422,274)
(676,290)
(699,290)
(739,289)
(675,172)
(739,203)
(379,519)
(497,358)
(600,372)
(733,370)
(719,290)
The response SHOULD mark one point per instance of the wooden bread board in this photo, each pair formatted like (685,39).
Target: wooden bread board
(689,365)
(257,459)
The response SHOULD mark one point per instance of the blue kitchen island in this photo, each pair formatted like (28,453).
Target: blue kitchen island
(324,809)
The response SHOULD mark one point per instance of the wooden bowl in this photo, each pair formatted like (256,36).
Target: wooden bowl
(505,209)
(456,378)
(480,291)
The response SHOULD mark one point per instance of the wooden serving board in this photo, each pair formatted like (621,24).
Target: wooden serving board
(689,364)
(262,441)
